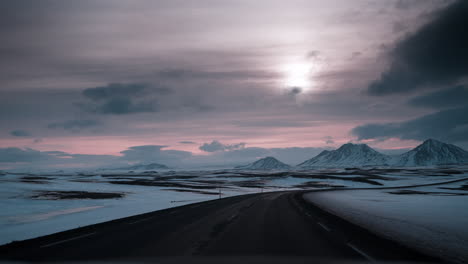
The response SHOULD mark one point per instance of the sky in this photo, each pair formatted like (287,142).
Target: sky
(195,83)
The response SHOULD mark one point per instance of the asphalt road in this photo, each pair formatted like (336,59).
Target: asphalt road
(273,225)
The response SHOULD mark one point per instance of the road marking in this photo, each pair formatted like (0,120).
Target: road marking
(232,217)
(362,253)
(141,220)
(66,240)
(324,226)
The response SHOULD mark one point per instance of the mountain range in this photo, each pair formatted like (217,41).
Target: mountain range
(431,152)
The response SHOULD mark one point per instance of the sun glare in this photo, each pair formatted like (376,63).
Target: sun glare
(297,75)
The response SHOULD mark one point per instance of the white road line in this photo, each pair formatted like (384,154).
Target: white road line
(324,226)
(141,220)
(232,217)
(362,253)
(66,240)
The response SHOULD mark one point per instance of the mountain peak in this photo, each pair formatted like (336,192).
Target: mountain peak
(351,147)
(348,155)
(432,141)
(433,152)
(267,163)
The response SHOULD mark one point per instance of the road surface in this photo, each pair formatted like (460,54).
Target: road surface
(278,224)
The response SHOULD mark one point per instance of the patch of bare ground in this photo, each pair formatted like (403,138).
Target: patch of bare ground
(68,195)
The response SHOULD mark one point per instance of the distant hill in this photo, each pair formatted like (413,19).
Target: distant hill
(268,163)
(151,166)
(431,152)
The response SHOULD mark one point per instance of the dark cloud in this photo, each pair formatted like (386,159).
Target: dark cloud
(215,146)
(121,106)
(293,91)
(115,90)
(404,4)
(20,133)
(292,155)
(329,140)
(448,98)
(355,55)
(120,99)
(188,74)
(14,155)
(400,26)
(155,153)
(75,125)
(230,158)
(312,54)
(187,142)
(448,125)
(264,122)
(435,55)
(52,158)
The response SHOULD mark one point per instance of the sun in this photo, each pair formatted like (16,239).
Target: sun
(297,75)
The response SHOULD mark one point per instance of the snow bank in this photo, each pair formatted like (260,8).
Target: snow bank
(431,219)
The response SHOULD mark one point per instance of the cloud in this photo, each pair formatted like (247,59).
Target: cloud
(291,155)
(215,146)
(237,154)
(404,4)
(447,98)
(312,54)
(435,55)
(293,91)
(121,99)
(355,55)
(232,155)
(18,158)
(448,125)
(14,155)
(329,140)
(154,153)
(187,142)
(74,125)
(189,74)
(20,133)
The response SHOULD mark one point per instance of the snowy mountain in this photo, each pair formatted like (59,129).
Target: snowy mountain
(268,163)
(432,152)
(348,155)
(151,166)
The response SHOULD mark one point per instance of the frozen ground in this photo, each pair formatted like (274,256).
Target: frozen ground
(36,204)
(431,219)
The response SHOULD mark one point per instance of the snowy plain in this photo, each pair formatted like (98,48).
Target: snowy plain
(430,219)
(28,213)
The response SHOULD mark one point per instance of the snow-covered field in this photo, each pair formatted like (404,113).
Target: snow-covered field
(431,219)
(43,203)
